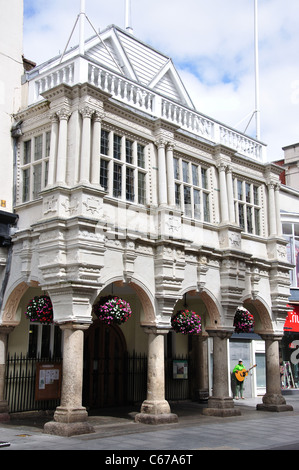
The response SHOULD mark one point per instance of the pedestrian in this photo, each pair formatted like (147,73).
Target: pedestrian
(239,377)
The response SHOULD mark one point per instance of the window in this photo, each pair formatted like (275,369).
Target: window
(44,341)
(35,165)
(247,206)
(291,234)
(192,194)
(126,166)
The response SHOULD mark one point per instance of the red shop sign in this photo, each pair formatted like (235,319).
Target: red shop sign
(292,320)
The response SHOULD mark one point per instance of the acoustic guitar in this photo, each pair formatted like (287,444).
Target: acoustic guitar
(241,374)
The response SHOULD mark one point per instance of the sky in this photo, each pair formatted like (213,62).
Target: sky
(211,43)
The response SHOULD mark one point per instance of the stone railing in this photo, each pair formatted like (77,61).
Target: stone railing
(81,70)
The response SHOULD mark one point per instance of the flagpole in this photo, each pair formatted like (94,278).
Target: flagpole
(128,17)
(257,85)
(82,28)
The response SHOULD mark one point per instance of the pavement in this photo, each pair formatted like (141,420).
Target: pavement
(118,435)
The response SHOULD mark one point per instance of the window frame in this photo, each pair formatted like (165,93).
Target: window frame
(191,187)
(123,169)
(35,153)
(247,205)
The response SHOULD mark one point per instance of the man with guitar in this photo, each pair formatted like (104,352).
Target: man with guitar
(240,374)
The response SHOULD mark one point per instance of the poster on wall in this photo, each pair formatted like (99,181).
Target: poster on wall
(180,369)
(48,381)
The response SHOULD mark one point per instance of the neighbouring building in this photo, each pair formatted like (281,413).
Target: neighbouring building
(123,188)
(290,229)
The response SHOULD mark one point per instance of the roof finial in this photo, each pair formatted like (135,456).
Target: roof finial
(129,28)
(82,29)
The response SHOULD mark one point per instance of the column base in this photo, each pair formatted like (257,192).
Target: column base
(4,411)
(69,423)
(156,412)
(273,402)
(222,407)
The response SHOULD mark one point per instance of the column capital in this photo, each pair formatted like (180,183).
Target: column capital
(87,112)
(222,333)
(271,336)
(156,330)
(74,326)
(63,113)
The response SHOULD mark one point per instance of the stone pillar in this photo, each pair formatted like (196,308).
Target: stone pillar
(96,148)
(277,208)
(201,375)
(162,181)
(272,210)
(155,409)
(4,410)
(230,195)
(170,175)
(70,418)
(85,145)
(53,150)
(223,192)
(220,404)
(273,399)
(63,115)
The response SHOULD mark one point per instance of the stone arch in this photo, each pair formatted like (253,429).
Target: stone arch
(9,316)
(260,310)
(145,296)
(211,304)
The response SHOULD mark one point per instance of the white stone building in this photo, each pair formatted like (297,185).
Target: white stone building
(123,187)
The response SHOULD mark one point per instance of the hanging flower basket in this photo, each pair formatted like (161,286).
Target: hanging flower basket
(186,322)
(40,309)
(243,321)
(112,310)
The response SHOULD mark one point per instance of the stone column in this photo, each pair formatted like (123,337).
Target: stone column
(223,192)
(63,115)
(53,150)
(162,181)
(220,404)
(70,418)
(170,175)
(4,410)
(85,145)
(155,409)
(230,195)
(272,210)
(96,148)
(273,399)
(201,376)
(277,208)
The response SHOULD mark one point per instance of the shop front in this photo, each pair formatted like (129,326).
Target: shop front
(289,350)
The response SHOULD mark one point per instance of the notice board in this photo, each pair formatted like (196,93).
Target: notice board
(48,381)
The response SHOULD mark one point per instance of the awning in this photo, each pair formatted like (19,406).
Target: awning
(292,320)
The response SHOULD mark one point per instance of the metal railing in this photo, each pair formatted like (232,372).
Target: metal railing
(20,382)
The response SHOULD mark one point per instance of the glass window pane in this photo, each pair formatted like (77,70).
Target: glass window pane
(27,152)
(177,195)
(187,201)
(130,184)
(26,185)
(104,174)
(247,189)
(195,175)
(204,180)
(37,180)
(129,151)
(117,180)
(117,147)
(141,188)
(185,172)
(176,168)
(105,142)
(240,190)
(38,147)
(206,207)
(140,156)
(196,196)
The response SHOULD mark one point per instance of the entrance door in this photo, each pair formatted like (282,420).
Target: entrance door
(104,366)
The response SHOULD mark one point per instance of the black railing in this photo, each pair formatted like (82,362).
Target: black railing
(20,382)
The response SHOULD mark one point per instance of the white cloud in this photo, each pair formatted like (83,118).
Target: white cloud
(211,44)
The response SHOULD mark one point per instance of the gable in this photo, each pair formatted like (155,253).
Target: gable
(123,53)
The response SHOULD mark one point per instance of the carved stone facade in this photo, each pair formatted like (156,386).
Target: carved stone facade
(131,200)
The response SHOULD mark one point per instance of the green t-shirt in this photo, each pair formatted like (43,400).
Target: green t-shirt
(239,367)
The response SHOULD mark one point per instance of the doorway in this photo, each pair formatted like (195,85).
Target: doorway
(104,366)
